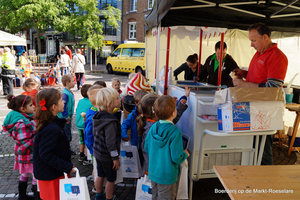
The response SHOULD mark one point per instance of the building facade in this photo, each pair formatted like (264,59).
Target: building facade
(134,12)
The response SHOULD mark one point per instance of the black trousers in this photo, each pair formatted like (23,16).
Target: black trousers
(8,85)
(79,77)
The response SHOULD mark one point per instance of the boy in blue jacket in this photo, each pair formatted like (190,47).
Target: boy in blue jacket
(68,97)
(82,107)
(88,125)
(164,146)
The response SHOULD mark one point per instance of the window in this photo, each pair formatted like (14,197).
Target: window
(138,52)
(126,52)
(132,30)
(108,29)
(104,3)
(133,5)
(150,4)
(116,52)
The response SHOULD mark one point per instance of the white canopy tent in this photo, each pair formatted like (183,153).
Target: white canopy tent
(7,39)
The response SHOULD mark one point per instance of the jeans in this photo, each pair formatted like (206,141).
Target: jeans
(64,70)
(79,77)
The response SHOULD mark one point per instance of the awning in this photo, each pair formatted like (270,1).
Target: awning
(7,39)
(278,15)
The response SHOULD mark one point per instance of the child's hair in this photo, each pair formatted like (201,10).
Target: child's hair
(29,83)
(138,95)
(146,108)
(116,80)
(15,103)
(23,75)
(164,106)
(51,96)
(67,78)
(93,87)
(16,75)
(102,83)
(105,97)
(43,76)
(131,75)
(84,90)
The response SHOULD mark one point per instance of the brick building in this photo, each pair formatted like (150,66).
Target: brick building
(133,19)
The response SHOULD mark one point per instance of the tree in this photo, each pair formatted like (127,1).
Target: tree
(57,14)
(37,14)
(85,22)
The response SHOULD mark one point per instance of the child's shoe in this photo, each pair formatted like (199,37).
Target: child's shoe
(100,196)
(87,162)
(81,158)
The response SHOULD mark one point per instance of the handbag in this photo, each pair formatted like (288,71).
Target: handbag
(143,189)
(130,161)
(74,188)
(182,192)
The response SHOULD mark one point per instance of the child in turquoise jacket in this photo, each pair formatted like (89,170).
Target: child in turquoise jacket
(164,146)
(82,106)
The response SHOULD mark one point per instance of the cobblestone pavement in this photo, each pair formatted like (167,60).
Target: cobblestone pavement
(9,177)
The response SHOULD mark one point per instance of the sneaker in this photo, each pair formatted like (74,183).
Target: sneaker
(72,157)
(87,162)
(80,159)
(94,189)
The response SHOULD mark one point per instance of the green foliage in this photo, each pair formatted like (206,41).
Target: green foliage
(61,15)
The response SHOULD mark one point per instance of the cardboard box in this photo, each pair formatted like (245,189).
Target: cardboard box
(250,109)
(250,116)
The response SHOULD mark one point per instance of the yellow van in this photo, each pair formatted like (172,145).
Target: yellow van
(128,57)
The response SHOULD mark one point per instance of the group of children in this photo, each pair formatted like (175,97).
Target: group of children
(43,144)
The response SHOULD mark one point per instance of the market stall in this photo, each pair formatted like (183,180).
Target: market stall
(166,49)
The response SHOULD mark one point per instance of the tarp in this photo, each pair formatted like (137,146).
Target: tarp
(7,39)
(278,15)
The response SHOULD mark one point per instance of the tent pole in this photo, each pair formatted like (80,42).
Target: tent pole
(167,62)
(221,60)
(200,51)
(157,60)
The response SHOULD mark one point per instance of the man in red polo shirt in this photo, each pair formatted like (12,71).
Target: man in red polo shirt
(267,69)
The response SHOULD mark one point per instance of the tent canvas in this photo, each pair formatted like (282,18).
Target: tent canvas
(7,39)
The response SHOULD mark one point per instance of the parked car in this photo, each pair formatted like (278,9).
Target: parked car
(128,57)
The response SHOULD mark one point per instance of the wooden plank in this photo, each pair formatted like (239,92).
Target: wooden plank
(260,182)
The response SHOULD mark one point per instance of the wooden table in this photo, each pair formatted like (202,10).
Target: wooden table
(260,182)
(294,108)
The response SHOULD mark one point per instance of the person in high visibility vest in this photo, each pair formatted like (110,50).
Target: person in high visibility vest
(8,71)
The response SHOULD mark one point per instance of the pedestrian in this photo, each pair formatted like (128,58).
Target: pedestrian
(88,126)
(8,71)
(51,146)
(65,63)
(25,64)
(267,68)
(163,145)
(30,89)
(148,118)
(69,105)
(78,63)
(82,106)
(19,125)
(69,52)
(107,135)
(116,84)
(130,124)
